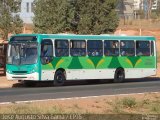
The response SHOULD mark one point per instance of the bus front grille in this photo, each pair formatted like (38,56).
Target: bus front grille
(20,72)
(19,77)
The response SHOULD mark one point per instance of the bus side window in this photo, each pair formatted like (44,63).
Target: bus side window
(111,48)
(127,48)
(78,47)
(46,51)
(95,48)
(61,48)
(142,48)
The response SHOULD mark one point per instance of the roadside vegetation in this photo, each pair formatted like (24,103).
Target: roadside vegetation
(133,104)
(75,16)
(9,22)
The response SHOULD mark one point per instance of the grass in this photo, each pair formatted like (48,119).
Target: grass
(20,109)
(30,109)
(129,102)
(55,110)
(146,104)
(117,106)
(76,106)
(155,108)
(132,105)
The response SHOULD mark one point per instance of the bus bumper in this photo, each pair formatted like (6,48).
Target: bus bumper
(32,76)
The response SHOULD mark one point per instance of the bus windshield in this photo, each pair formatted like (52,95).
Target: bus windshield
(22,53)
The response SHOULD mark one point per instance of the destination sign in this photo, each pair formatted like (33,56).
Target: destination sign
(23,38)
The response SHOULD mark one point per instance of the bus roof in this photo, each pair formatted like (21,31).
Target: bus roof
(89,37)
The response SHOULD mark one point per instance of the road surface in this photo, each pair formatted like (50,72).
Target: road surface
(79,89)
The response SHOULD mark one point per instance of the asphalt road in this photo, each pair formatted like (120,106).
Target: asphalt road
(79,89)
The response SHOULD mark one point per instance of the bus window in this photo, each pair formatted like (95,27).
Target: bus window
(77,47)
(46,51)
(143,48)
(127,48)
(111,48)
(61,48)
(152,48)
(95,48)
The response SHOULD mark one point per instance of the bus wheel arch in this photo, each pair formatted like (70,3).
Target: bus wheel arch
(59,77)
(119,75)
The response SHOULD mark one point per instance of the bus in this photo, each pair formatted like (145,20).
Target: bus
(62,57)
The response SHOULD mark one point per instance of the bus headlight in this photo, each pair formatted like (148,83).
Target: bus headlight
(33,70)
(8,71)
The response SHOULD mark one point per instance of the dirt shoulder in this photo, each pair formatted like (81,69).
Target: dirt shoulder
(4,83)
(147,103)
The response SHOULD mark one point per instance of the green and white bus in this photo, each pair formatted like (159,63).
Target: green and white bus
(61,57)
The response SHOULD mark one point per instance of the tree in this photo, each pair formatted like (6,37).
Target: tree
(81,16)
(50,16)
(17,24)
(97,16)
(7,19)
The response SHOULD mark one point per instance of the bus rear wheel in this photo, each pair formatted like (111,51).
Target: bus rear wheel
(119,75)
(59,78)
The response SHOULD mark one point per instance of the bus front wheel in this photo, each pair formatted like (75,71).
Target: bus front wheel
(119,75)
(59,78)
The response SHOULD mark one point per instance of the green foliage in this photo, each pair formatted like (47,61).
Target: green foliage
(17,24)
(117,106)
(82,16)
(129,102)
(50,16)
(155,14)
(155,107)
(146,102)
(97,17)
(7,20)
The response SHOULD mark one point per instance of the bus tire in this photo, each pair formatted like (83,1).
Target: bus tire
(119,75)
(59,78)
